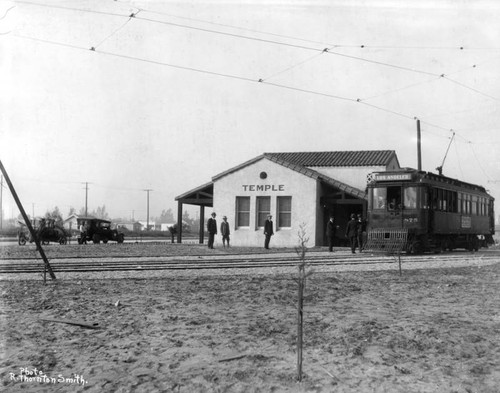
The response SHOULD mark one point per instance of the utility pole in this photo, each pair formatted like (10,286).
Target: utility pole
(1,201)
(147,222)
(419,148)
(28,224)
(86,197)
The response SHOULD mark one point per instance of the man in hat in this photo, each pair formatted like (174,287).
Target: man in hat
(212,230)
(268,231)
(224,231)
(351,232)
(331,229)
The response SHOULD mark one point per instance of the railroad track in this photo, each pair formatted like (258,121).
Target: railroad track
(95,264)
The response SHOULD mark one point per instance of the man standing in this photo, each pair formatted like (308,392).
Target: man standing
(361,232)
(268,231)
(352,232)
(224,231)
(212,230)
(331,228)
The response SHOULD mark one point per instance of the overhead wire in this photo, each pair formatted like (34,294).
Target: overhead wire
(273,42)
(237,77)
(293,66)
(118,29)
(6,12)
(327,50)
(479,162)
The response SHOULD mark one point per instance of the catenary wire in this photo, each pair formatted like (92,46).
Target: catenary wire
(6,12)
(118,29)
(274,42)
(133,58)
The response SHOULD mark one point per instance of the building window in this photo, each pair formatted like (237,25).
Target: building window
(263,210)
(242,212)
(284,212)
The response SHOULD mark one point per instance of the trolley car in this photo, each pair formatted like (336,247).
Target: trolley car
(428,212)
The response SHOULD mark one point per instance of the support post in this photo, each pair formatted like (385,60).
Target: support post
(179,222)
(202,224)
(47,266)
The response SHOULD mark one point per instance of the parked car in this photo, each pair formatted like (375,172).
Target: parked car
(97,230)
(46,231)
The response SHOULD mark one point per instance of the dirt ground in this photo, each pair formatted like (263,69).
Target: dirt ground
(432,330)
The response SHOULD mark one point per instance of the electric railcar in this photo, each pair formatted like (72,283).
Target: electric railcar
(430,212)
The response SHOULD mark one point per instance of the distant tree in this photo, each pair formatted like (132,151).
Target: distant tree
(72,210)
(186,218)
(166,217)
(100,212)
(55,214)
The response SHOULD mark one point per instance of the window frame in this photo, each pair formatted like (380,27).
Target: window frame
(259,213)
(239,212)
(279,202)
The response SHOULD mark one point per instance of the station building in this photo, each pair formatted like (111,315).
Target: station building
(297,189)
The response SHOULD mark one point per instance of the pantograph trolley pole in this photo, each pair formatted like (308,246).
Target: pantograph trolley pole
(28,222)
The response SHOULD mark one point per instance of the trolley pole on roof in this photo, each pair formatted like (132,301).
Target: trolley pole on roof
(28,223)
(419,147)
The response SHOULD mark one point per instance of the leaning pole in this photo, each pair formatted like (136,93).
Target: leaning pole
(28,222)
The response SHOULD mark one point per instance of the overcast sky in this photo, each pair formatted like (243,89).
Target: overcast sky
(170,96)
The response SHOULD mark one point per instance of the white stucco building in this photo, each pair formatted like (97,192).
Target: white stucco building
(296,188)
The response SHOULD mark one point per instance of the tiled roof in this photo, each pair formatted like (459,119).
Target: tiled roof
(318,176)
(337,158)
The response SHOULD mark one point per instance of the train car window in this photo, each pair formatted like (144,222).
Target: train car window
(410,198)
(379,198)
(434,200)
(424,198)
(474,205)
(453,202)
(394,198)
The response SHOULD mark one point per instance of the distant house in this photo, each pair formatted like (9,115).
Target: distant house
(143,225)
(165,227)
(134,226)
(70,223)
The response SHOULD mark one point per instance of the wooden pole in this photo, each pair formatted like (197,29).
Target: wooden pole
(300,321)
(28,223)
(419,147)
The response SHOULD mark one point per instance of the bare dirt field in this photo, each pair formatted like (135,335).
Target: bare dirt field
(429,330)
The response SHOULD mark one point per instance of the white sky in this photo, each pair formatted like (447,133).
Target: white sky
(171,97)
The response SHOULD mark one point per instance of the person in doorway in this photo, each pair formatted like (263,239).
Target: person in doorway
(352,232)
(212,230)
(331,228)
(224,231)
(268,231)
(361,232)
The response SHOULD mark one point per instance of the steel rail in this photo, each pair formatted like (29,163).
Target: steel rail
(222,263)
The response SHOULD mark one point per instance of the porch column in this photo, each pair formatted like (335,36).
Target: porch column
(179,222)
(202,223)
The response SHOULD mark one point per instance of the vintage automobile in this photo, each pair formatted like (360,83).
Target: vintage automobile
(97,230)
(46,231)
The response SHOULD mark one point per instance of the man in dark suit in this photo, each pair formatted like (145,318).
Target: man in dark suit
(212,230)
(352,232)
(268,231)
(331,228)
(224,231)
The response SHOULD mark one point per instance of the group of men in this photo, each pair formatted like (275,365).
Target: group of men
(355,232)
(225,231)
